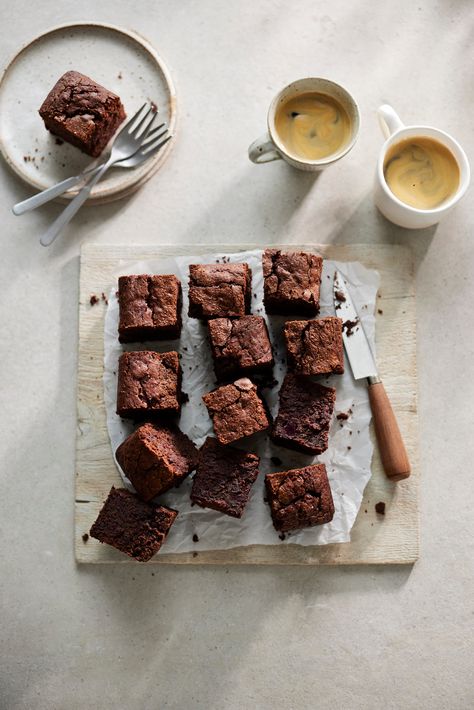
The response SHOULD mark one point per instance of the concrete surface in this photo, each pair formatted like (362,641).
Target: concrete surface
(242,638)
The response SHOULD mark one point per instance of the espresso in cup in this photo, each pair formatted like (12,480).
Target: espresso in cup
(313,125)
(421,172)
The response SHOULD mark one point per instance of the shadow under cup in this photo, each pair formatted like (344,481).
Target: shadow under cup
(401,213)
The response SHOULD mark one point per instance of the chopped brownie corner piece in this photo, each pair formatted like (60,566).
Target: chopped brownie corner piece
(291,282)
(136,528)
(224,478)
(82,112)
(219,290)
(149,384)
(300,498)
(150,307)
(155,458)
(315,347)
(304,415)
(240,346)
(236,410)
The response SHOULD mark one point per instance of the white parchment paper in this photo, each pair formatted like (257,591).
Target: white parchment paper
(348,458)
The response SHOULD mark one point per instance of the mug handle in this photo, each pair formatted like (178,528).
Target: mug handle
(263,150)
(389,120)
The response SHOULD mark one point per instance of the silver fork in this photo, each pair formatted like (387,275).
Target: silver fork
(125,145)
(41,198)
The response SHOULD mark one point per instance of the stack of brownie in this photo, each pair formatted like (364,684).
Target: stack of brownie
(158,455)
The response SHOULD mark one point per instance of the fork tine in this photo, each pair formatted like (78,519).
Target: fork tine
(151,141)
(149,149)
(133,119)
(136,131)
(155,131)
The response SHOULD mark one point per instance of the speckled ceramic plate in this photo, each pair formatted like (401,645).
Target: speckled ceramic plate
(116,58)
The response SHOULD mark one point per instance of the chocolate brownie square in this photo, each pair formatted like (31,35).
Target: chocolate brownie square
(82,112)
(149,384)
(304,416)
(299,498)
(224,478)
(240,346)
(236,410)
(314,347)
(291,282)
(150,307)
(155,458)
(219,290)
(136,528)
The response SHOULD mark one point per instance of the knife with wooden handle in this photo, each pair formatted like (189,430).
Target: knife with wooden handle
(392,449)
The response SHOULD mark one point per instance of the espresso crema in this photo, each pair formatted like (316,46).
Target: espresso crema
(421,172)
(313,126)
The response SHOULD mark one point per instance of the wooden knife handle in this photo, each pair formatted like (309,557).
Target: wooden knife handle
(392,449)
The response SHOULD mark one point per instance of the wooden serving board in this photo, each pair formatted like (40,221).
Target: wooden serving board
(375,539)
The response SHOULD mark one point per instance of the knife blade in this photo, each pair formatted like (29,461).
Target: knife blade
(392,449)
(356,344)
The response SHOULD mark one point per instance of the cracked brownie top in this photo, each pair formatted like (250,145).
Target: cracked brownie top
(240,345)
(300,498)
(149,307)
(291,282)
(148,383)
(219,290)
(315,347)
(236,411)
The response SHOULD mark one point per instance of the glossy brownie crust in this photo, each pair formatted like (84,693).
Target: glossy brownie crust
(136,528)
(300,498)
(291,282)
(82,112)
(149,384)
(224,478)
(150,307)
(315,347)
(236,411)
(240,346)
(304,416)
(219,290)
(155,458)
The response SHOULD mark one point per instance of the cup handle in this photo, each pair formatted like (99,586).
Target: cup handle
(263,150)
(389,120)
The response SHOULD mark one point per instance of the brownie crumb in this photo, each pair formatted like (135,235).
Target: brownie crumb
(93,300)
(195,538)
(85,537)
(105,299)
(340,296)
(342,416)
(184,397)
(379,310)
(349,448)
(58,141)
(195,554)
(282,536)
(349,326)
(380,508)
(154,107)
(119,75)
(276,461)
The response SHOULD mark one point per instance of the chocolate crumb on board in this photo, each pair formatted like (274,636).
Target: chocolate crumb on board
(195,538)
(276,460)
(85,537)
(344,415)
(105,299)
(93,300)
(195,554)
(340,296)
(349,326)
(379,310)
(184,397)
(282,536)
(380,508)
(58,141)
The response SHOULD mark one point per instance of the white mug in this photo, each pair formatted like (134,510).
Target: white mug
(389,205)
(269,147)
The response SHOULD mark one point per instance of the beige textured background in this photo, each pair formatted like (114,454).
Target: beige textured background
(218,638)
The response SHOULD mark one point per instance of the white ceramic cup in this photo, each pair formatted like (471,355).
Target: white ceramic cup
(389,205)
(269,147)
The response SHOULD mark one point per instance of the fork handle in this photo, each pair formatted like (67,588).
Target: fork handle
(68,213)
(51,192)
